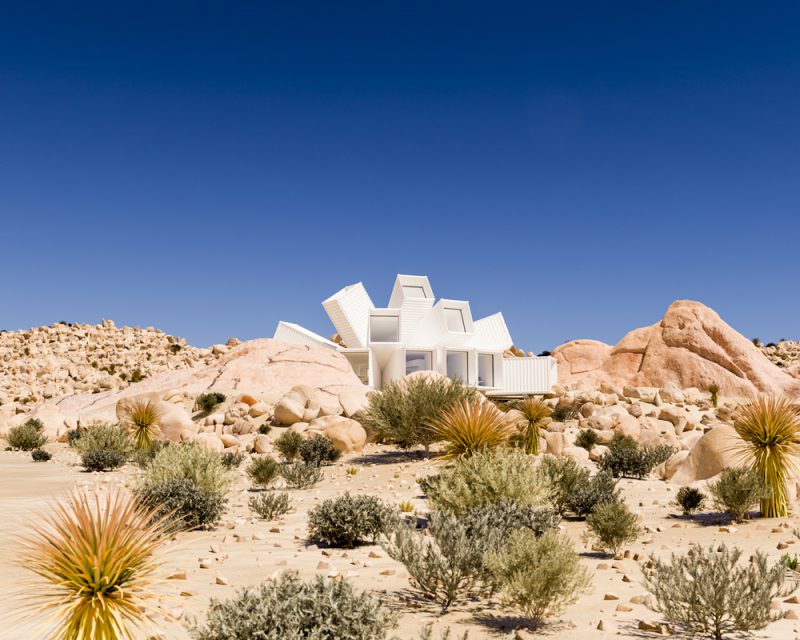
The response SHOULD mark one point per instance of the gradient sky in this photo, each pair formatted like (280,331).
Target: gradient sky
(212,167)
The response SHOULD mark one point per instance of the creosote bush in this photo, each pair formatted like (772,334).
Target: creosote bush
(403,411)
(184,503)
(347,519)
(709,591)
(27,436)
(569,486)
(207,402)
(626,457)
(586,439)
(612,525)
(104,447)
(40,455)
(563,413)
(470,426)
(263,470)
(538,575)
(318,450)
(690,500)
(288,607)
(270,506)
(232,460)
(300,475)
(288,444)
(737,491)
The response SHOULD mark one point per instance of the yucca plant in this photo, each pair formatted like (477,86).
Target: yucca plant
(141,418)
(713,390)
(94,559)
(535,412)
(471,426)
(770,429)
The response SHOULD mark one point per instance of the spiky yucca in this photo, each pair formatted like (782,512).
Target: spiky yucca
(770,429)
(470,426)
(94,559)
(535,411)
(141,418)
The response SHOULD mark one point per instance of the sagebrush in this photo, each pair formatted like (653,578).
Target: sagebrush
(348,519)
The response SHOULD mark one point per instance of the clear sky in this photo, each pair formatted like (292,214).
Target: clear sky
(212,167)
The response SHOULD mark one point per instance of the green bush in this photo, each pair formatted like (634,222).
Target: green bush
(73,435)
(626,458)
(601,489)
(270,505)
(104,447)
(708,590)
(539,576)
(232,460)
(611,525)
(27,436)
(184,503)
(563,477)
(102,460)
(502,518)
(586,439)
(264,429)
(301,475)
(206,402)
(346,520)
(288,444)
(737,491)
(143,457)
(563,413)
(689,499)
(40,455)
(487,477)
(403,411)
(263,470)
(289,608)
(319,450)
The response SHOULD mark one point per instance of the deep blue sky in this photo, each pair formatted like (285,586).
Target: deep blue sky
(212,167)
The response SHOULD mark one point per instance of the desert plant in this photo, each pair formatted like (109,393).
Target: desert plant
(289,607)
(141,418)
(538,575)
(288,444)
(351,471)
(612,525)
(770,429)
(263,470)
(406,506)
(486,477)
(346,520)
(563,476)
(493,523)
(40,455)
(403,411)
(601,489)
(94,559)
(300,475)
(232,460)
(184,503)
(563,413)
(27,436)
(535,412)
(690,499)
(713,390)
(104,447)
(102,460)
(470,426)
(790,562)
(270,505)
(207,402)
(143,457)
(626,457)
(427,634)
(737,491)
(586,439)
(73,435)
(708,591)
(318,450)
(264,429)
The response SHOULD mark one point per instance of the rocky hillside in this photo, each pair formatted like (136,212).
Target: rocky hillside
(785,354)
(64,359)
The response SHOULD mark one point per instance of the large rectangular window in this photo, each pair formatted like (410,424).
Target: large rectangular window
(414,291)
(384,329)
(455,319)
(485,370)
(418,361)
(457,368)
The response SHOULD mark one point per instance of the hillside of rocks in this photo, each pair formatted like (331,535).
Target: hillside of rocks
(785,354)
(690,347)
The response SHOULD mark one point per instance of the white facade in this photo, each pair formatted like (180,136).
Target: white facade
(415,332)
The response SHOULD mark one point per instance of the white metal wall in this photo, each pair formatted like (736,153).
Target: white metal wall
(348,309)
(285,332)
(529,375)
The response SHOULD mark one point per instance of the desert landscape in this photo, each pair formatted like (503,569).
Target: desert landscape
(675,390)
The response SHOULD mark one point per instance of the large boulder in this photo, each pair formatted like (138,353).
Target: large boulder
(290,409)
(714,452)
(347,435)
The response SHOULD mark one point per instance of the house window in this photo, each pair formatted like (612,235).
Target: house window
(485,370)
(384,329)
(414,291)
(455,320)
(418,361)
(457,365)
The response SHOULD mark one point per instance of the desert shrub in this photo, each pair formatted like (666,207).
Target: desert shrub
(207,402)
(737,491)
(346,520)
(612,525)
(184,503)
(141,418)
(270,505)
(318,450)
(601,489)
(713,391)
(563,413)
(563,477)
(535,413)
(300,475)
(403,411)
(94,559)
(104,447)
(264,429)
(586,439)
(289,607)
(690,499)
(626,457)
(470,426)
(143,457)
(232,460)
(102,460)
(288,444)
(263,470)
(708,591)
(40,455)
(790,562)
(73,435)
(538,575)
(27,436)
(488,477)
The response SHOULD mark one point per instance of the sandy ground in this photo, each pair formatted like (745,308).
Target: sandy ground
(247,550)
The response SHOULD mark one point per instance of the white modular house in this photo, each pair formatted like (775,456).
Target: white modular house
(415,332)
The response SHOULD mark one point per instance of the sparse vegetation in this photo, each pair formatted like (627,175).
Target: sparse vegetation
(104,447)
(141,418)
(535,413)
(270,506)
(737,491)
(232,460)
(564,413)
(288,444)
(348,519)
(586,439)
(264,429)
(207,402)
(569,486)
(263,470)
(41,455)
(319,450)
(470,426)
(690,500)
(27,436)
(713,390)
(187,505)
(300,475)
(612,525)
(627,458)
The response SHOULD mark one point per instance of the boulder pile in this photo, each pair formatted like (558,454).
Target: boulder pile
(786,355)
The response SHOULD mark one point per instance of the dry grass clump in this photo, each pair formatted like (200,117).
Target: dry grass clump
(141,418)
(471,426)
(535,413)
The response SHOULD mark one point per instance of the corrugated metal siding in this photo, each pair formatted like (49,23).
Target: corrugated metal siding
(286,332)
(529,375)
(411,313)
(491,334)
(349,311)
